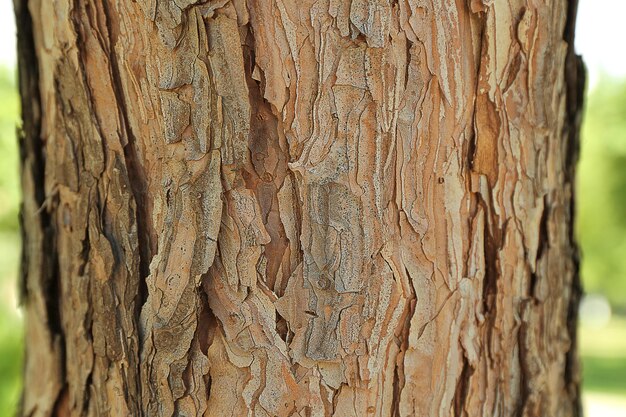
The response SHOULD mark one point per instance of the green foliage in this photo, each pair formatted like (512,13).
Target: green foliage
(601,193)
(10,318)
(601,230)
(9,174)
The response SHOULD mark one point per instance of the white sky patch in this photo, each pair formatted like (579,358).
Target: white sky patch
(7,34)
(601,38)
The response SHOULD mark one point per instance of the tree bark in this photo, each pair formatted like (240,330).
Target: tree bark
(299,208)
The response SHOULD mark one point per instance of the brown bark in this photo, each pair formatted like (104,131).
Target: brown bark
(299,208)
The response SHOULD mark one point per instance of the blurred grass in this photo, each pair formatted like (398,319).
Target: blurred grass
(10,326)
(603,352)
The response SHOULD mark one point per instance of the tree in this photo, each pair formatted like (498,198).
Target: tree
(312,208)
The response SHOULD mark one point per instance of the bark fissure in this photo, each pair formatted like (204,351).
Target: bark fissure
(135,170)
(462,390)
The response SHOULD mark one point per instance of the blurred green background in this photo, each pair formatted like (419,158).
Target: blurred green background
(602,192)
(601,231)
(601,221)
(10,316)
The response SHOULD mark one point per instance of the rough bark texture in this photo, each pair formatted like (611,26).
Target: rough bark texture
(299,208)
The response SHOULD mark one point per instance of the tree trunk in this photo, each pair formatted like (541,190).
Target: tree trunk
(299,208)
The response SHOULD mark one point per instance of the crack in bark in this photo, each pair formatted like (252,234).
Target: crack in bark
(266,173)
(462,389)
(147,248)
